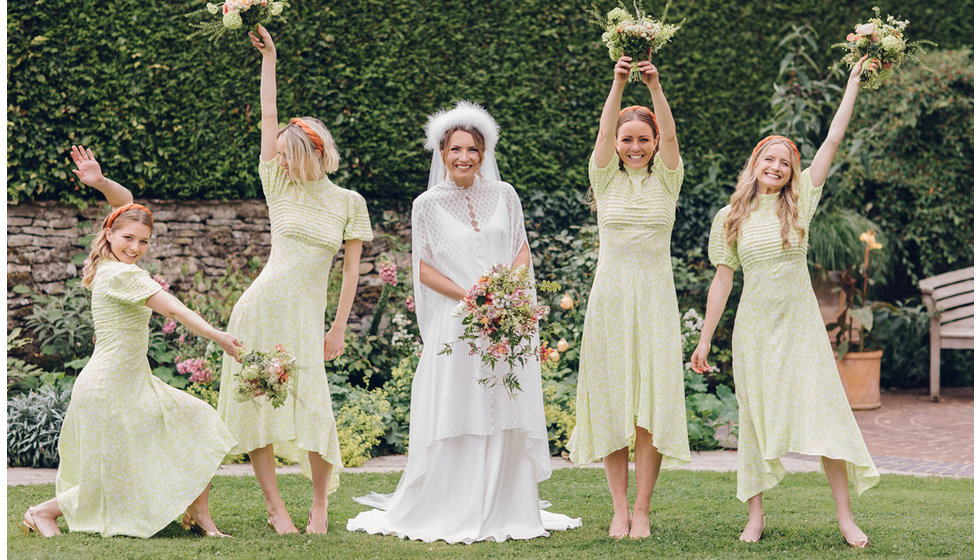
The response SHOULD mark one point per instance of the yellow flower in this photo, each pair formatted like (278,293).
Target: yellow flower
(868,238)
(562,345)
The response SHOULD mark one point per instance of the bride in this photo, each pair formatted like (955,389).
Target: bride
(476,454)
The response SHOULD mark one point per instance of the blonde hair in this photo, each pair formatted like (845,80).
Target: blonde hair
(100,245)
(743,200)
(305,160)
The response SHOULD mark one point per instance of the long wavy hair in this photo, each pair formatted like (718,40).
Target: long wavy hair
(100,244)
(305,160)
(744,199)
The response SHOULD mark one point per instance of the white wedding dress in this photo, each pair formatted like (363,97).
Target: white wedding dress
(476,454)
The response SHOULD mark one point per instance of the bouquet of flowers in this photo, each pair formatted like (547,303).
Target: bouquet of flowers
(885,44)
(265,374)
(635,37)
(236,14)
(500,319)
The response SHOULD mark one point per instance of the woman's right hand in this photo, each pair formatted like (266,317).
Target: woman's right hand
(263,42)
(699,359)
(621,72)
(229,344)
(89,171)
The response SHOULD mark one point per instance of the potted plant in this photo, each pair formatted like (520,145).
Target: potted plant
(859,367)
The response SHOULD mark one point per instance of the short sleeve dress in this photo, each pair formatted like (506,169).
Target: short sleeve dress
(135,452)
(630,367)
(789,392)
(286,305)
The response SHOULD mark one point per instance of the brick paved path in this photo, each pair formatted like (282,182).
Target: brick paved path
(908,434)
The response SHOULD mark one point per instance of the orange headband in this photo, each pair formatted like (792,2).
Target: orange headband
(121,209)
(656,128)
(314,137)
(768,138)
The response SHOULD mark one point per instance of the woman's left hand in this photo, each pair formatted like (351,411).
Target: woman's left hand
(89,171)
(333,344)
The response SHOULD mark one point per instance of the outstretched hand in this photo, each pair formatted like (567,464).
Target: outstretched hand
(859,69)
(89,171)
(263,41)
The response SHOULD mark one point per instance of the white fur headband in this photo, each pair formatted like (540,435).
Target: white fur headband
(466,114)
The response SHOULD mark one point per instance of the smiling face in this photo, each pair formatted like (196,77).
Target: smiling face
(462,158)
(636,143)
(774,168)
(129,242)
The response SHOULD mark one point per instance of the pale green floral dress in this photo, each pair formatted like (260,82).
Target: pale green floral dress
(790,397)
(286,305)
(135,452)
(630,366)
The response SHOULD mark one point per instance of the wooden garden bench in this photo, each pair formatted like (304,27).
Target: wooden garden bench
(949,299)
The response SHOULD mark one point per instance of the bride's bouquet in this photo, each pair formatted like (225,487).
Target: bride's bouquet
(265,374)
(635,36)
(885,44)
(500,319)
(236,14)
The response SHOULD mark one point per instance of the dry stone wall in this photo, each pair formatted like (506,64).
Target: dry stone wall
(46,243)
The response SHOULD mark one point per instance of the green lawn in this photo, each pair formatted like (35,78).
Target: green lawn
(695,516)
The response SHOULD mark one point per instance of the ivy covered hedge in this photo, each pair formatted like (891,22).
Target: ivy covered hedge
(179,119)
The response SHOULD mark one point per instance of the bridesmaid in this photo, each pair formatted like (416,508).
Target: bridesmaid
(311,218)
(135,452)
(631,379)
(790,398)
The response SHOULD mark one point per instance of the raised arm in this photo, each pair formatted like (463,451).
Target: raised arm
(267,92)
(669,149)
(89,172)
(605,142)
(169,306)
(721,288)
(333,341)
(820,166)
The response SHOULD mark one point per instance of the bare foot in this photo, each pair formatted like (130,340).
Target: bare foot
(640,525)
(282,524)
(37,521)
(619,526)
(854,536)
(316,523)
(753,530)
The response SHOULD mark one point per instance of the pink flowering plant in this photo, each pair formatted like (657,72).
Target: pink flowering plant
(885,44)
(197,370)
(236,14)
(636,36)
(265,374)
(500,318)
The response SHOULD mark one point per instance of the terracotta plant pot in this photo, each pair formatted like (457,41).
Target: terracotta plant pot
(860,373)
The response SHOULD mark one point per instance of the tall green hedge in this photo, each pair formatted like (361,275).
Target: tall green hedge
(179,119)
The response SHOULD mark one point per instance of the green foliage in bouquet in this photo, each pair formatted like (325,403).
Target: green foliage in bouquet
(34,426)
(265,374)
(635,36)
(236,14)
(886,46)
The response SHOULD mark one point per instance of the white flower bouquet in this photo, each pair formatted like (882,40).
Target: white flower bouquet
(635,36)
(236,14)
(885,44)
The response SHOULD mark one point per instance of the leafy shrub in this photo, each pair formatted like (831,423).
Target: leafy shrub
(23,376)
(34,426)
(62,325)
(903,334)
(360,424)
